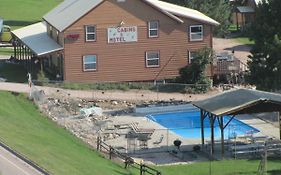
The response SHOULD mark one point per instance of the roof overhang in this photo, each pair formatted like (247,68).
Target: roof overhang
(240,101)
(245,9)
(35,37)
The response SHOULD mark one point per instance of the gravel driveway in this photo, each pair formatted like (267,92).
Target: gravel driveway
(227,45)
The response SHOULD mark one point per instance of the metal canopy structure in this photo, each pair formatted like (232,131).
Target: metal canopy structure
(35,37)
(232,103)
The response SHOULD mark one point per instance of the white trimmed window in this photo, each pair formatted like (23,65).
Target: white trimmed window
(90,32)
(152,59)
(153,29)
(196,33)
(191,56)
(90,62)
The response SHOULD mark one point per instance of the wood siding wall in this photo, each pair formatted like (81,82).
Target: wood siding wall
(126,61)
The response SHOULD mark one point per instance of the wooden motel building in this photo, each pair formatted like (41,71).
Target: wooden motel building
(115,40)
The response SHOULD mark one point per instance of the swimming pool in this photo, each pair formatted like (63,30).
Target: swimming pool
(187,125)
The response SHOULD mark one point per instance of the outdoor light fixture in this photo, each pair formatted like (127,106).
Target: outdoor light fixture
(121,23)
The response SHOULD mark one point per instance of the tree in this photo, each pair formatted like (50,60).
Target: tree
(194,73)
(265,61)
(219,10)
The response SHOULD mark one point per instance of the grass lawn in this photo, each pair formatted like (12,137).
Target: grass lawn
(19,13)
(23,128)
(231,167)
(13,72)
(244,40)
(6,51)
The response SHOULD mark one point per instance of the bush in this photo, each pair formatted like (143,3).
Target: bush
(41,78)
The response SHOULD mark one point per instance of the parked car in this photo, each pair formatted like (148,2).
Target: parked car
(5,32)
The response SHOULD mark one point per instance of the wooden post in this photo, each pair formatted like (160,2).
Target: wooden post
(237,24)
(212,119)
(98,143)
(279,124)
(222,136)
(202,127)
(110,152)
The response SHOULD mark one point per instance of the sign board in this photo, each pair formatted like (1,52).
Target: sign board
(122,34)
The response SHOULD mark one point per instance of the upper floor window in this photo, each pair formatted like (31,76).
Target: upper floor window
(90,62)
(153,29)
(90,33)
(152,59)
(196,33)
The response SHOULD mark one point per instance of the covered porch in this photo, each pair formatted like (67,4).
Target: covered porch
(34,48)
(232,103)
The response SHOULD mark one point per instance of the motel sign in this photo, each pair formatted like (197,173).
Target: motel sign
(122,34)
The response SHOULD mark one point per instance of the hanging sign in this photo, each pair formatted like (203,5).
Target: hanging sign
(122,34)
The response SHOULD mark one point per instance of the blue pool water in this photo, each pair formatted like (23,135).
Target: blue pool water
(187,125)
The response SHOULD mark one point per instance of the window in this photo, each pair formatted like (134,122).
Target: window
(90,62)
(152,59)
(196,33)
(153,29)
(90,33)
(191,56)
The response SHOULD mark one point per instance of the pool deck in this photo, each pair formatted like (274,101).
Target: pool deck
(165,152)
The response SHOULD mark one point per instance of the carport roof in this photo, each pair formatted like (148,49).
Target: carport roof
(36,38)
(240,101)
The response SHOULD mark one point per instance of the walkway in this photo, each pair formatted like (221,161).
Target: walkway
(132,95)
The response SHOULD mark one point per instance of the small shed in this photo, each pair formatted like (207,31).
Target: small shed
(235,102)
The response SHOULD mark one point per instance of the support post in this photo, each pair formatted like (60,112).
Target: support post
(279,124)
(212,119)
(222,136)
(202,127)
(237,24)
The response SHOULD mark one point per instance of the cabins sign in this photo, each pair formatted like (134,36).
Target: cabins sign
(122,34)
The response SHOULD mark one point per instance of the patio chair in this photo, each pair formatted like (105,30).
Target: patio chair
(157,142)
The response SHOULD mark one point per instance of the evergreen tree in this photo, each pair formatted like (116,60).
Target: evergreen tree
(265,63)
(219,10)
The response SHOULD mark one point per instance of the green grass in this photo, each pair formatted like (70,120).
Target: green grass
(245,40)
(19,13)
(13,72)
(6,51)
(227,167)
(24,129)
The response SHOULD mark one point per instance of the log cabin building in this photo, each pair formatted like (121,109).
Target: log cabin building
(115,40)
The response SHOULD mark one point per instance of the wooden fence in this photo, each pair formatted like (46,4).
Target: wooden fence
(128,161)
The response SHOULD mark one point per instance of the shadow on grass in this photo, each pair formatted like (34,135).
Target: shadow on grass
(122,173)
(19,23)
(13,72)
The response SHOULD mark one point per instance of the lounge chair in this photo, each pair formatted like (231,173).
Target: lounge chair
(138,130)
(157,142)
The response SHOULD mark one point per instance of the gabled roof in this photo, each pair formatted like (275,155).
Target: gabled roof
(69,11)
(36,38)
(181,11)
(245,9)
(231,102)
